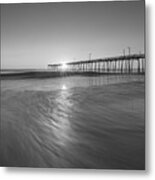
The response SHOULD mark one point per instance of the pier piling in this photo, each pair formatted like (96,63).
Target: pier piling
(126,64)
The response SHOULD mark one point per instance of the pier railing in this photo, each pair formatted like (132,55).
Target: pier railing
(128,64)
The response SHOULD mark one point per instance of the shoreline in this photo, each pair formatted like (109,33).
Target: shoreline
(49,74)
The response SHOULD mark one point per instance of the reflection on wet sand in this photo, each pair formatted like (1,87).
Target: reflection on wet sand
(60,113)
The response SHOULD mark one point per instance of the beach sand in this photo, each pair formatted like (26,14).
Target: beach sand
(93,127)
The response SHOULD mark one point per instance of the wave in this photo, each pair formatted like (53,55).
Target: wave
(24,74)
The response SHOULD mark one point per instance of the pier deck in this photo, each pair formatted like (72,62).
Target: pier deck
(134,63)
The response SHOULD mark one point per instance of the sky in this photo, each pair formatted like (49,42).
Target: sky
(35,35)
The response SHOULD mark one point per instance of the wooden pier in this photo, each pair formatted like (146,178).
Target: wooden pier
(129,64)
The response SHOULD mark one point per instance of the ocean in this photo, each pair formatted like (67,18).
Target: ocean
(73,122)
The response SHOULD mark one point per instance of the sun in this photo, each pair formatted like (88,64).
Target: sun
(64,66)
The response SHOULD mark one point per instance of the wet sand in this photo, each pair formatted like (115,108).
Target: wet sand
(93,127)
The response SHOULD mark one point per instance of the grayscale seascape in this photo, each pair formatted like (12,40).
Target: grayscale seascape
(86,113)
(96,123)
